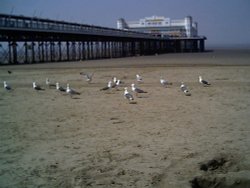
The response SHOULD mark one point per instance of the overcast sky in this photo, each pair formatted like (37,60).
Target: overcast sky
(223,22)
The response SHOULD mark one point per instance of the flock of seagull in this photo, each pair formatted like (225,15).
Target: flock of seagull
(115,83)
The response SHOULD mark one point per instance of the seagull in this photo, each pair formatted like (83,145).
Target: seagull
(59,88)
(184,89)
(36,87)
(9,71)
(137,90)
(109,86)
(71,91)
(164,82)
(128,95)
(203,82)
(88,77)
(117,83)
(50,84)
(138,78)
(115,80)
(6,86)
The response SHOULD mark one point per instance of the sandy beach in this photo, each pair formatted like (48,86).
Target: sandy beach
(98,139)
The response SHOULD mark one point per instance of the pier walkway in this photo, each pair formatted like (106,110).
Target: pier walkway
(31,39)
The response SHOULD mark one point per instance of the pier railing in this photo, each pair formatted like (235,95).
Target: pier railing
(22,23)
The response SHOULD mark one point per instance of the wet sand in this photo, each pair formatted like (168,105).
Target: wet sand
(98,139)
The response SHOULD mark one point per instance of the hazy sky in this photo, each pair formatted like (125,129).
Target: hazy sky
(223,22)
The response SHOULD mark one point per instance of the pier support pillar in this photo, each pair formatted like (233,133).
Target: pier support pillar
(97,50)
(87,51)
(73,48)
(79,51)
(105,50)
(33,52)
(91,50)
(123,49)
(42,45)
(39,51)
(46,52)
(14,52)
(25,52)
(52,51)
(59,51)
(67,50)
(202,46)
(83,50)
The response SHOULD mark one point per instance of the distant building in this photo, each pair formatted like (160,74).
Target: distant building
(161,26)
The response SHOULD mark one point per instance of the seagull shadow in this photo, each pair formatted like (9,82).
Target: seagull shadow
(75,98)
(132,102)
(142,97)
(118,122)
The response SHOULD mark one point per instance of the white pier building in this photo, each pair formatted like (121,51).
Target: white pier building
(161,26)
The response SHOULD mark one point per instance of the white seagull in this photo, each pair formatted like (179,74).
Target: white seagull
(71,91)
(203,82)
(118,82)
(138,78)
(137,90)
(37,87)
(6,86)
(128,95)
(115,80)
(184,89)
(164,82)
(59,88)
(109,86)
(88,77)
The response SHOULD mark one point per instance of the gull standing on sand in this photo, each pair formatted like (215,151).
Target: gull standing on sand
(117,83)
(128,95)
(138,78)
(164,82)
(37,87)
(50,84)
(109,86)
(184,89)
(137,90)
(88,77)
(203,82)
(59,88)
(6,86)
(71,91)
(114,80)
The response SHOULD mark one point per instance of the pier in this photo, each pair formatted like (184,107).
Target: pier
(35,40)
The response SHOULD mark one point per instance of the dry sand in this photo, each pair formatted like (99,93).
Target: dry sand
(98,139)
